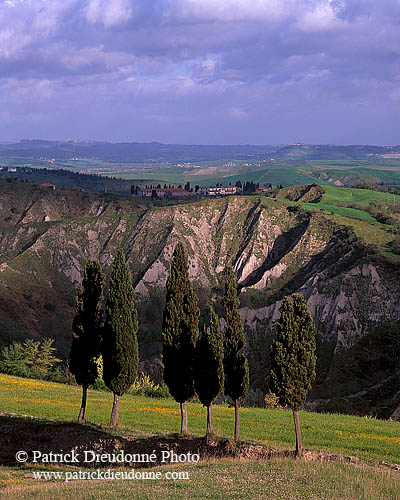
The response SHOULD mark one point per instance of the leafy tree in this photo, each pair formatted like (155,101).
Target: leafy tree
(39,357)
(86,330)
(120,345)
(209,368)
(30,359)
(13,361)
(235,361)
(293,358)
(180,333)
(45,359)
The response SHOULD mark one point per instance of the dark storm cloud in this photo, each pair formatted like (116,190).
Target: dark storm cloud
(200,70)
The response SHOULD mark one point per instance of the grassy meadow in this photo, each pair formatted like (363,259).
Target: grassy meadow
(366,227)
(334,195)
(334,204)
(367,438)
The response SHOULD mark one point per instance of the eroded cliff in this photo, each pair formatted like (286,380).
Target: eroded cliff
(276,250)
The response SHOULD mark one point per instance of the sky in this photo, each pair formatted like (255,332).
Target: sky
(201,71)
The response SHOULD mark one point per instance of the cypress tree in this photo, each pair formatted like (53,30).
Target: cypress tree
(180,333)
(293,358)
(235,362)
(209,369)
(86,330)
(120,345)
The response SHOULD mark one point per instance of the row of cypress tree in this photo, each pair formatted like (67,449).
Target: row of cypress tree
(204,363)
(192,363)
(201,365)
(115,338)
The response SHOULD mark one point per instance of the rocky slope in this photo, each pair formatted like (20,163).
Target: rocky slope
(46,238)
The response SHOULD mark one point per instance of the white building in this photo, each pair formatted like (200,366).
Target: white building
(218,190)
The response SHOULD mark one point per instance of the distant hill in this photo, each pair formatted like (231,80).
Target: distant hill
(201,165)
(155,152)
(62,178)
(333,152)
(151,152)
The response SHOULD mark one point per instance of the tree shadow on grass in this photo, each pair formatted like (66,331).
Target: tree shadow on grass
(24,433)
(30,434)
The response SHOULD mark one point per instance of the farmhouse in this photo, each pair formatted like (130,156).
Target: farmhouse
(47,184)
(218,190)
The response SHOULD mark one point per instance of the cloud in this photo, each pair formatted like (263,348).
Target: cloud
(238,113)
(228,10)
(322,18)
(223,59)
(108,12)
(12,42)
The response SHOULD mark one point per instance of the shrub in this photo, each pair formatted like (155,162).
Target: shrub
(99,385)
(396,245)
(384,218)
(161,392)
(271,400)
(30,359)
(142,383)
(224,400)
(338,405)
(57,374)
(254,399)
(14,362)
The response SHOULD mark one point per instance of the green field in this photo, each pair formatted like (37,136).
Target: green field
(47,403)
(364,437)
(334,203)
(366,227)
(280,173)
(286,171)
(334,195)
(286,176)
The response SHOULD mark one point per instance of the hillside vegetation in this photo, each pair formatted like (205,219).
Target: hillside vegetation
(278,247)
